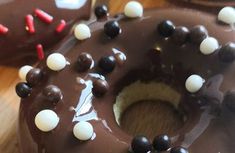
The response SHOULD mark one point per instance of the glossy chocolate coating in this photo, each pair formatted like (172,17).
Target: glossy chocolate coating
(209,6)
(215,3)
(18,47)
(210,125)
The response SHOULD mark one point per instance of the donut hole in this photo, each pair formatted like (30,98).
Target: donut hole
(149,109)
(151,118)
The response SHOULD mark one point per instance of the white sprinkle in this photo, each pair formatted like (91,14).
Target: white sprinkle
(23,71)
(56,61)
(83,130)
(46,120)
(82,31)
(209,45)
(227,15)
(133,9)
(194,83)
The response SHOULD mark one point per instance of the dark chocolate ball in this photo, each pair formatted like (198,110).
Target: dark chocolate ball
(52,93)
(34,76)
(229,100)
(198,34)
(101,11)
(141,144)
(84,62)
(166,28)
(180,35)
(107,63)
(161,143)
(227,53)
(23,90)
(112,29)
(179,150)
(100,88)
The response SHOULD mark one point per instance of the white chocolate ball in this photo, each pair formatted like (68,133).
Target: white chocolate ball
(83,130)
(56,61)
(23,71)
(194,83)
(82,31)
(46,120)
(209,45)
(227,15)
(133,9)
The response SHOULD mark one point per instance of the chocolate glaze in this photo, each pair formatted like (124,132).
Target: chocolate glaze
(18,47)
(145,56)
(210,6)
(214,3)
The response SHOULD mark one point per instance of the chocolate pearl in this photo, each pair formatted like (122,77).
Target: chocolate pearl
(180,35)
(23,90)
(101,11)
(100,87)
(161,143)
(229,100)
(52,93)
(34,76)
(227,53)
(112,29)
(141,144)
(166,28)
(179,150)
(198,34)
(107,63)
(84,62)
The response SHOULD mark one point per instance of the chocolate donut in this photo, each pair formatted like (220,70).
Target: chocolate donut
(28,26)
(73,100)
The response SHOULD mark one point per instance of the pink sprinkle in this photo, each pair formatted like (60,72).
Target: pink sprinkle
(3,30)
(60,26)
(30,24)
(40,51)
(45,17)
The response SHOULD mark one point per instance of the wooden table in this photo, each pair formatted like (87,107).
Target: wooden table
(9,102)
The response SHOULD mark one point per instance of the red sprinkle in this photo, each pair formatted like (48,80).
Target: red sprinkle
(40,51)
(3,30)
(45,17)
(60,27)
(30,23)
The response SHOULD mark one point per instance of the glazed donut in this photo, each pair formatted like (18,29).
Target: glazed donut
(28,26)
(73,100)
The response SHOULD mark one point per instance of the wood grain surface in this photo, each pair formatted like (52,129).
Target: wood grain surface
(9,102)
